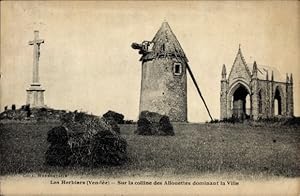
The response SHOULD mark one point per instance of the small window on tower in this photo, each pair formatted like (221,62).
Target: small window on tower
(177,68)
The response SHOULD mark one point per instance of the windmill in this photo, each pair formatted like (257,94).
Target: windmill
(164,76)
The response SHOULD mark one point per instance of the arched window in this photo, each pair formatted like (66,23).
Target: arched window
(248,105)
(277,102)
(177,68)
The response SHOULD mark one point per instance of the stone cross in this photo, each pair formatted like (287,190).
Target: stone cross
(36,54)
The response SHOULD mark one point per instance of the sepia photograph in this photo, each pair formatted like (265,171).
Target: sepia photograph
(150,98)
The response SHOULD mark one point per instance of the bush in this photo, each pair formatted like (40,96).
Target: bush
(229,120)
(58,155)
(79,117)
(295,121)
(129,122)
(113,124)
(27,107)
(119,118)
(58,135)
(215,121)
(59,151)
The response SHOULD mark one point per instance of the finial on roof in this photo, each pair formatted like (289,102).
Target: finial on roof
(272,76)
(254,70)
(267,74)
(254,66)
(165,23)
(291,78)
(239,46)
(224,72)
(287,78)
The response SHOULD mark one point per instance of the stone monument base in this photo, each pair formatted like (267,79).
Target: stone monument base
(35,96)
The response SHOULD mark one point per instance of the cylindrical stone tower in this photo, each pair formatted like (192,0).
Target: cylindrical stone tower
(164,80)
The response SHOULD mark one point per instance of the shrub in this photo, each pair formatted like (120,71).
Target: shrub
(59,151)
(119,118)
(58,155)
(58,135)
(113,124)
(79,117)
(129,122)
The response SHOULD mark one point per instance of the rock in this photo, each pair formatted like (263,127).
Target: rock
(94,142)
(119,118)
(151,123)
(152,117)
(143,127)
(108,149)
(165,126)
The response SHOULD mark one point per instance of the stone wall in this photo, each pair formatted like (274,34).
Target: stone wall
(162,91)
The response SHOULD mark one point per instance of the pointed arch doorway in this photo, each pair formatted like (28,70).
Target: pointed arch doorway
(241,102)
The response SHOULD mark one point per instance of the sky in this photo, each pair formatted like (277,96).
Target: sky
(87,63)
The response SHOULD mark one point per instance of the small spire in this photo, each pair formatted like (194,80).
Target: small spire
(240,50)
(254,67)
(165,24)
(254,71)
(267,75)
(291,78)
(224,72)
(272,76)
(287,78)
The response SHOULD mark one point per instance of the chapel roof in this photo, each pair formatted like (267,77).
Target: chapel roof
(262,71)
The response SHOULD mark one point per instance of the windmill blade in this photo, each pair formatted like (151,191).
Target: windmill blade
(197,87)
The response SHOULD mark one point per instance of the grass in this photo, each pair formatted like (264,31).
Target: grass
(196,149)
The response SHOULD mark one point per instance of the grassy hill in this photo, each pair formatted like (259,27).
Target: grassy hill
(196,149)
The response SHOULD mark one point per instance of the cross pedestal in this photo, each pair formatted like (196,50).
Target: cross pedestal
(35,93)
(35,96)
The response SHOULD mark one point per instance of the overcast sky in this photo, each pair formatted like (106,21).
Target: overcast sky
(87,63)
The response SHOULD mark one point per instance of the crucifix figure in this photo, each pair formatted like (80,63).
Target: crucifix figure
(36,55)
(35,93)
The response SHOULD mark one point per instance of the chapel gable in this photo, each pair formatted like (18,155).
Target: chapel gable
(239,70)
